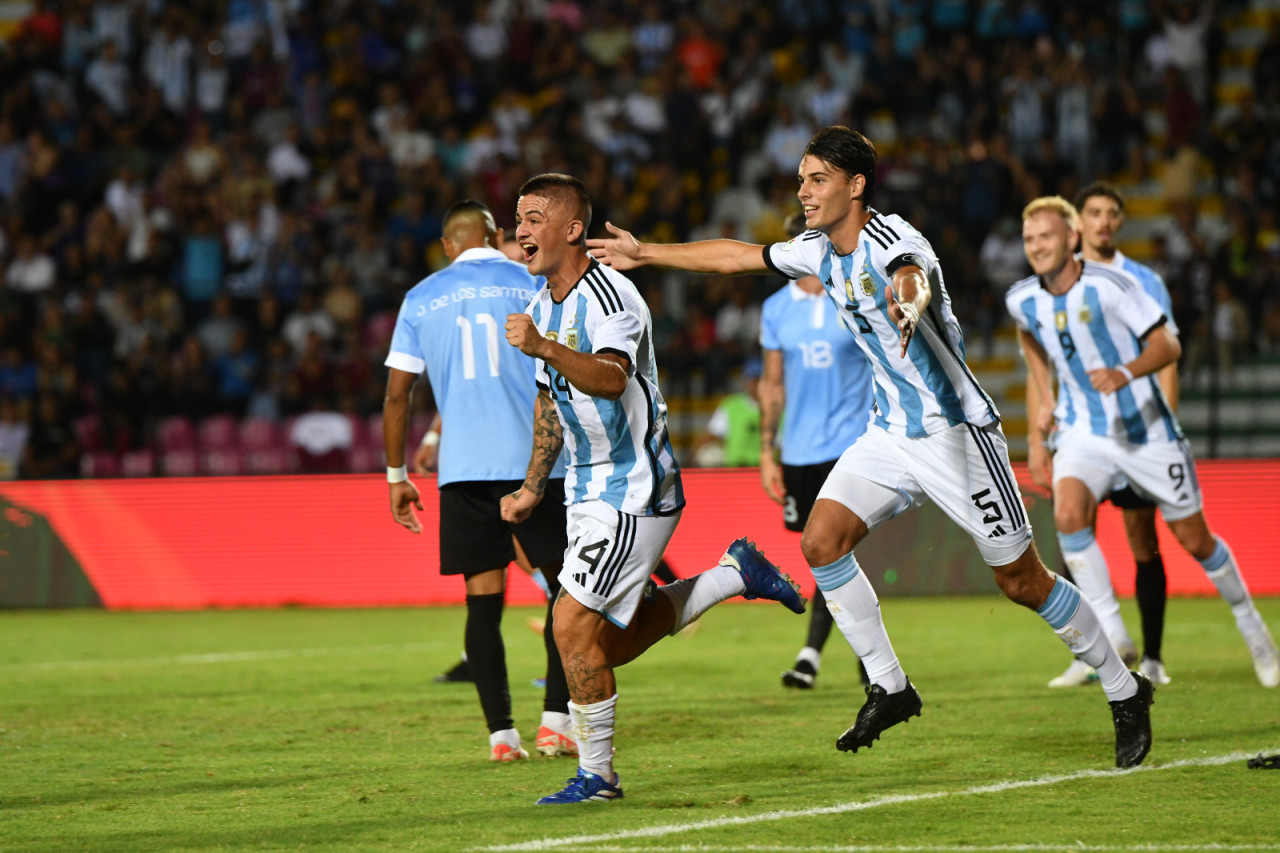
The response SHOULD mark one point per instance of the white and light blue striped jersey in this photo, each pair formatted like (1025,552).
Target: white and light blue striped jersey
(826,377)
(1100,322)
(617,451)
(930,389)
(451,326)
(1151,282)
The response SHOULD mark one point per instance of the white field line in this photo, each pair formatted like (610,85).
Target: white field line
(931,848)
(216,657)
(576,841)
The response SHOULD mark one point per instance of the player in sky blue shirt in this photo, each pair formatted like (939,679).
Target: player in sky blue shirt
(450,328)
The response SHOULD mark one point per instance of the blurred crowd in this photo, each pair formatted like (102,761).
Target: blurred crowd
(213,208)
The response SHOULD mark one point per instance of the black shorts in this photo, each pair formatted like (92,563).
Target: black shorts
(1127,498)
(474,538)
(803,482)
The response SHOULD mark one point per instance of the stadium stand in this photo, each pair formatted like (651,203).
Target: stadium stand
(209,211)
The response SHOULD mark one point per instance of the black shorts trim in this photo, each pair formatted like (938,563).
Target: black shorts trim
(474,538)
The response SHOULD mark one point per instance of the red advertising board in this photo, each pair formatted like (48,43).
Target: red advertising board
(329,541)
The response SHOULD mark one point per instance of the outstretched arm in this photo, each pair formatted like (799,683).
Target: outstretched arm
(548,439)
(623,251)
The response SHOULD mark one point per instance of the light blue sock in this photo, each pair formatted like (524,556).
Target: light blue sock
(1073,620)
(541,581)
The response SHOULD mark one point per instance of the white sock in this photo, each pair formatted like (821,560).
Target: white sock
(1071,617)
(811,656)
(856,611)
(593,732)
(1221,568)
(691,597)
(557,722)
(510,737)
(1089,569)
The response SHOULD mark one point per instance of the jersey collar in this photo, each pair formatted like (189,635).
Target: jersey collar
(480,253)
(799,294)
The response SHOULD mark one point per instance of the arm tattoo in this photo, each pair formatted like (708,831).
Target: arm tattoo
(548,438)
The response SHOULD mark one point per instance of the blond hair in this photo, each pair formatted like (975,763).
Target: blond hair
(1055,204)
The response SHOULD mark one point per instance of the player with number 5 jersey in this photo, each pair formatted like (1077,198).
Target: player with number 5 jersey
(935,434)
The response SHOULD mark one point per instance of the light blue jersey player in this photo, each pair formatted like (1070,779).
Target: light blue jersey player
(486,387)
(1104,337)
(826,377)
(935,435)
(598,399)
(450,328)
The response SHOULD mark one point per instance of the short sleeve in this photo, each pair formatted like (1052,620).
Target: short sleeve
(798,257)
(769,322)
(619,332)
(405,351)
(1140,312)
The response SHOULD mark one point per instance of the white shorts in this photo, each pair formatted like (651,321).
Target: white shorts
(1163,471)
(610,557)
(964,470)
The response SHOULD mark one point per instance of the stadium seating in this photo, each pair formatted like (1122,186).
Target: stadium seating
(138,463)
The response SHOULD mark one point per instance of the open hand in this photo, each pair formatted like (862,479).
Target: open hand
(620,251)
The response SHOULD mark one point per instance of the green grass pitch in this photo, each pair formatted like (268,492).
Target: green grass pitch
(321,730)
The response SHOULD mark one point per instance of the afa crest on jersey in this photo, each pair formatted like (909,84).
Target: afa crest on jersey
(865,280)
(1085,314)
(571,339)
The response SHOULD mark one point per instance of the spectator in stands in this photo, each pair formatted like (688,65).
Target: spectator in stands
(52,452)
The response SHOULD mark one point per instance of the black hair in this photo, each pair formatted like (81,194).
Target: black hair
(565,188)
(848,151)
(467,205)
(1101,188)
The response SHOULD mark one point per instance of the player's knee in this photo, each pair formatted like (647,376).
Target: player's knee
(1068,518)
(1194,536)
(821,547)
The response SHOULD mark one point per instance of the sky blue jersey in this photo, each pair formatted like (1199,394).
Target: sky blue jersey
(1100,321)
(451,326)
(825,375)
(617,451)
(931,388)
